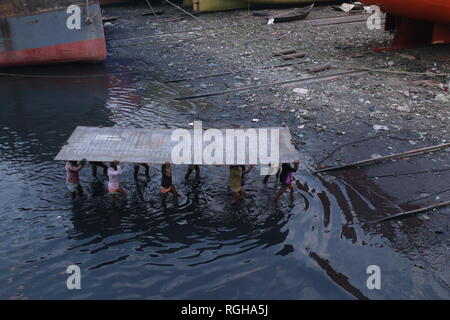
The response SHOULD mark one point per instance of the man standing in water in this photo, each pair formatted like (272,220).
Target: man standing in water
(286,179)
(166,183)
(114,172)
(73,177)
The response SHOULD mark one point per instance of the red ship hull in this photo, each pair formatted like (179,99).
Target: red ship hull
(87,50)
(416,22)
(39,32)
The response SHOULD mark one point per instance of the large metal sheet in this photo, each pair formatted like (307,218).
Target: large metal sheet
(156,145)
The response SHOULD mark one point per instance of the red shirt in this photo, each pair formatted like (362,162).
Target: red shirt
(73,173)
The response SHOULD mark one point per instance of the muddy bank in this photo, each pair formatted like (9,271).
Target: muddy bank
(334,119)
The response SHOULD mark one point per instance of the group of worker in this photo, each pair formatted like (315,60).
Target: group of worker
(114,171)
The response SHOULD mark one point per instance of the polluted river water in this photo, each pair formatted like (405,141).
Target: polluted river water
(202,248)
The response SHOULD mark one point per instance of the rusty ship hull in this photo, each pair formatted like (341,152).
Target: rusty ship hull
(416,22)
(36,32)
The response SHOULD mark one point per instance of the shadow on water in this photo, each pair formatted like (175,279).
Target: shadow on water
(202,247)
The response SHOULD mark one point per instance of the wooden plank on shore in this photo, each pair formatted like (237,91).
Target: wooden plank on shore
(293,56)
(284,52)
(319,68)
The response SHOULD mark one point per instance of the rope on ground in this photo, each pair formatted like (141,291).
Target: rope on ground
(426,197)
(157,18)
(345,145)
(188,13)
(399,174)
(431,74)
(380,159)
(407,213)
(365,139)
(372,137)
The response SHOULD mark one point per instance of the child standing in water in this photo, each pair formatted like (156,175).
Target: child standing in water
(114,172)
(136,169)
(95,164)
(73,177)
(286,178)
(166,183)
(234,182)
(190,169)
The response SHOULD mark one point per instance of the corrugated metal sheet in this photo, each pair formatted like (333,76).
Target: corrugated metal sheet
(155,145)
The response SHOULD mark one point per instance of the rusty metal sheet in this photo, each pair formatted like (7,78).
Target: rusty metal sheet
(155,146)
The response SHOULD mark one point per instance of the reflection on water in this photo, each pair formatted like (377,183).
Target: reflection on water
(201,248)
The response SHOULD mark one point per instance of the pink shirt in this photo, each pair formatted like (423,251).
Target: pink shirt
(73,173)
(114,177)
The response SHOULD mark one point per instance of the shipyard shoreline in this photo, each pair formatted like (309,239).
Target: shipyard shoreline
(325,116)
(169,71)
